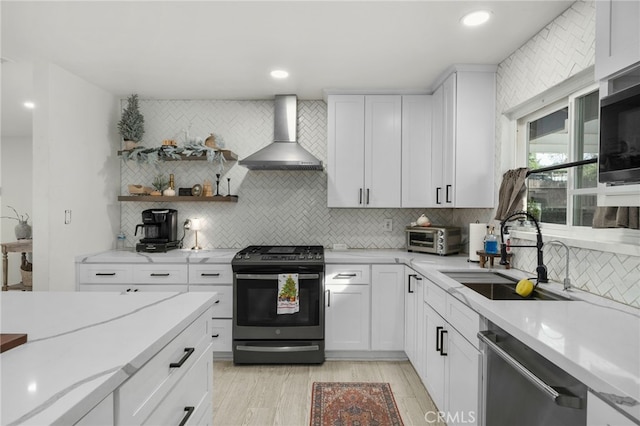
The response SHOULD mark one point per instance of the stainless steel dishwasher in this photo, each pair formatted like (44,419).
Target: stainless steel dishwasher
(523,388)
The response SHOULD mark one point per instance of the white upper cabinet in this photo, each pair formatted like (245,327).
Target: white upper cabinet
(463,140)
(416,151)
(345,150)
(617,36)
(364,151)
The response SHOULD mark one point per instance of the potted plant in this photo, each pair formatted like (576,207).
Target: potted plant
(22,229)
(131,125)
(160,183)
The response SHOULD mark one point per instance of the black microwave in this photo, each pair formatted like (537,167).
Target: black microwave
(619,153)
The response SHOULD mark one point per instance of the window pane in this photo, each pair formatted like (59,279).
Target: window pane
(547,193)
(586,139)
(584,207)
(549,140)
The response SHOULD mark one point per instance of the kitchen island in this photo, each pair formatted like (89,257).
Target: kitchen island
(104,358)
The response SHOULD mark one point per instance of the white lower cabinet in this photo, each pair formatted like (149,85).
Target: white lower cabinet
(413,325)
(347,316)
(387,307)
(599,413)
(221,333)
(452,365)
(133,288)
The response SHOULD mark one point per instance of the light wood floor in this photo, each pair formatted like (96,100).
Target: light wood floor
(281,394)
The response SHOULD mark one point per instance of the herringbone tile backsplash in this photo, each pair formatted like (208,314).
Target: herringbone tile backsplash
(274,207)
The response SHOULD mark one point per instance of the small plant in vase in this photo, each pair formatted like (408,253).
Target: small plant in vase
(23,229)
(160,183)
(131,125)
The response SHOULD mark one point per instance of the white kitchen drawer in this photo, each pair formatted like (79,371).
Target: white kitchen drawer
(132,288)
(160,274)
(106,274)
(464,319)
(193,391)
(221,330)
(435,296)
(138,397)
(210,274)
(347,274)
(224,307)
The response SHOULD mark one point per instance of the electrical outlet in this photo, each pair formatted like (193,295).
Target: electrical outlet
(387,225)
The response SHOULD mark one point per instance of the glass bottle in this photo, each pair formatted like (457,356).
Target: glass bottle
(491,242)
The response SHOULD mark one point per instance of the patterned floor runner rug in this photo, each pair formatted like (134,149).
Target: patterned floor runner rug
(349,404)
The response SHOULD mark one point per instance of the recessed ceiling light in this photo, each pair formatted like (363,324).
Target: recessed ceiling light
(279,74)
(29,105)
(478,17)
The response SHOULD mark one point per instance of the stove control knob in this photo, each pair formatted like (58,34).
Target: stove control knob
(239,256)
(318,256)
(246,256)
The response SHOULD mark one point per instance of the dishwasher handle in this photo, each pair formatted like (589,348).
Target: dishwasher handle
(562,399)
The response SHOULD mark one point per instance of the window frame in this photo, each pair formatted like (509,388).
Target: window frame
(522,149)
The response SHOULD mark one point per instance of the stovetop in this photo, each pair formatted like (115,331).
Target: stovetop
(266,255)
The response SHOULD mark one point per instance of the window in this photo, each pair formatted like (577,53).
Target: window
(565,132)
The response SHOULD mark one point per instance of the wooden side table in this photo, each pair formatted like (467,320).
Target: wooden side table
(20,246)
(488,256)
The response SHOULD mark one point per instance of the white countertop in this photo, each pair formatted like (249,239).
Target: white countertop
(82,346)
(592,338)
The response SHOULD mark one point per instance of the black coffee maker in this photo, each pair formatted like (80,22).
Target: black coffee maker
(160,228)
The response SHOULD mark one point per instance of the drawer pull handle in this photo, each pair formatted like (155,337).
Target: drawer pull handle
(217,274)
(132,289)
(105,274)
(217,301)
(165,274)
(345,276)
(189,411)
(187,353)
(216,335)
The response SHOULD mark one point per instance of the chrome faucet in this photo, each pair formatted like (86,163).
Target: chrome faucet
(567,280)
(541,269)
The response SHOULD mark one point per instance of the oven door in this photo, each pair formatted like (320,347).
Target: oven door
(424,241)
(255,314)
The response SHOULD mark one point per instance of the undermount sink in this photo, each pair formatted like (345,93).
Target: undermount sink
(497,286)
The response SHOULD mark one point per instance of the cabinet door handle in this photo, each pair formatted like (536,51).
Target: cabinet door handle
(438,336)
(360,197)
(164,274)
(438,189)
(442,333)
(187,353)
(189,411)
(132,290)
(105,274)
(328,297)
(217,274)
(367,196)
(447,199)
(216,335)
(345,276)
(409,282)
(217,301)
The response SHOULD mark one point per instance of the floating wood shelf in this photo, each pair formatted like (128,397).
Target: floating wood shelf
(228,155)
(158,198)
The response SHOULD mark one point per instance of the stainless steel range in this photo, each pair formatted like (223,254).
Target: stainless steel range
(278,305)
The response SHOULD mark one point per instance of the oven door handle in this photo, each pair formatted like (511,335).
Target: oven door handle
(562,399)
(247,348)
(274,276)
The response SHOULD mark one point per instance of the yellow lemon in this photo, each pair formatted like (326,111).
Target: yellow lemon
(524,287)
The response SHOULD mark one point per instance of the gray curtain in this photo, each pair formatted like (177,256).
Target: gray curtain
(617,217)
(512,192)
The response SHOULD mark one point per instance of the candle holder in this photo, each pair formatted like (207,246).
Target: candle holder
(217,184)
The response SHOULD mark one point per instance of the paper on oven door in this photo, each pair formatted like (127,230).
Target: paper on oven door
(288,294)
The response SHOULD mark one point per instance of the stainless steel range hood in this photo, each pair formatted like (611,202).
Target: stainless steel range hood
(284,153)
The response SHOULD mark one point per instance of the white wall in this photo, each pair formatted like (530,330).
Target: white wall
(16,191)
(75,168)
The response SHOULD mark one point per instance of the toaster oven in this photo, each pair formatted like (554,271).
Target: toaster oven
(440,240)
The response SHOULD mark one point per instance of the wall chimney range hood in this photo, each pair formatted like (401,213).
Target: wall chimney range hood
(284,153)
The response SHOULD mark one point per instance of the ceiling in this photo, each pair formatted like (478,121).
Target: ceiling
(225,49)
